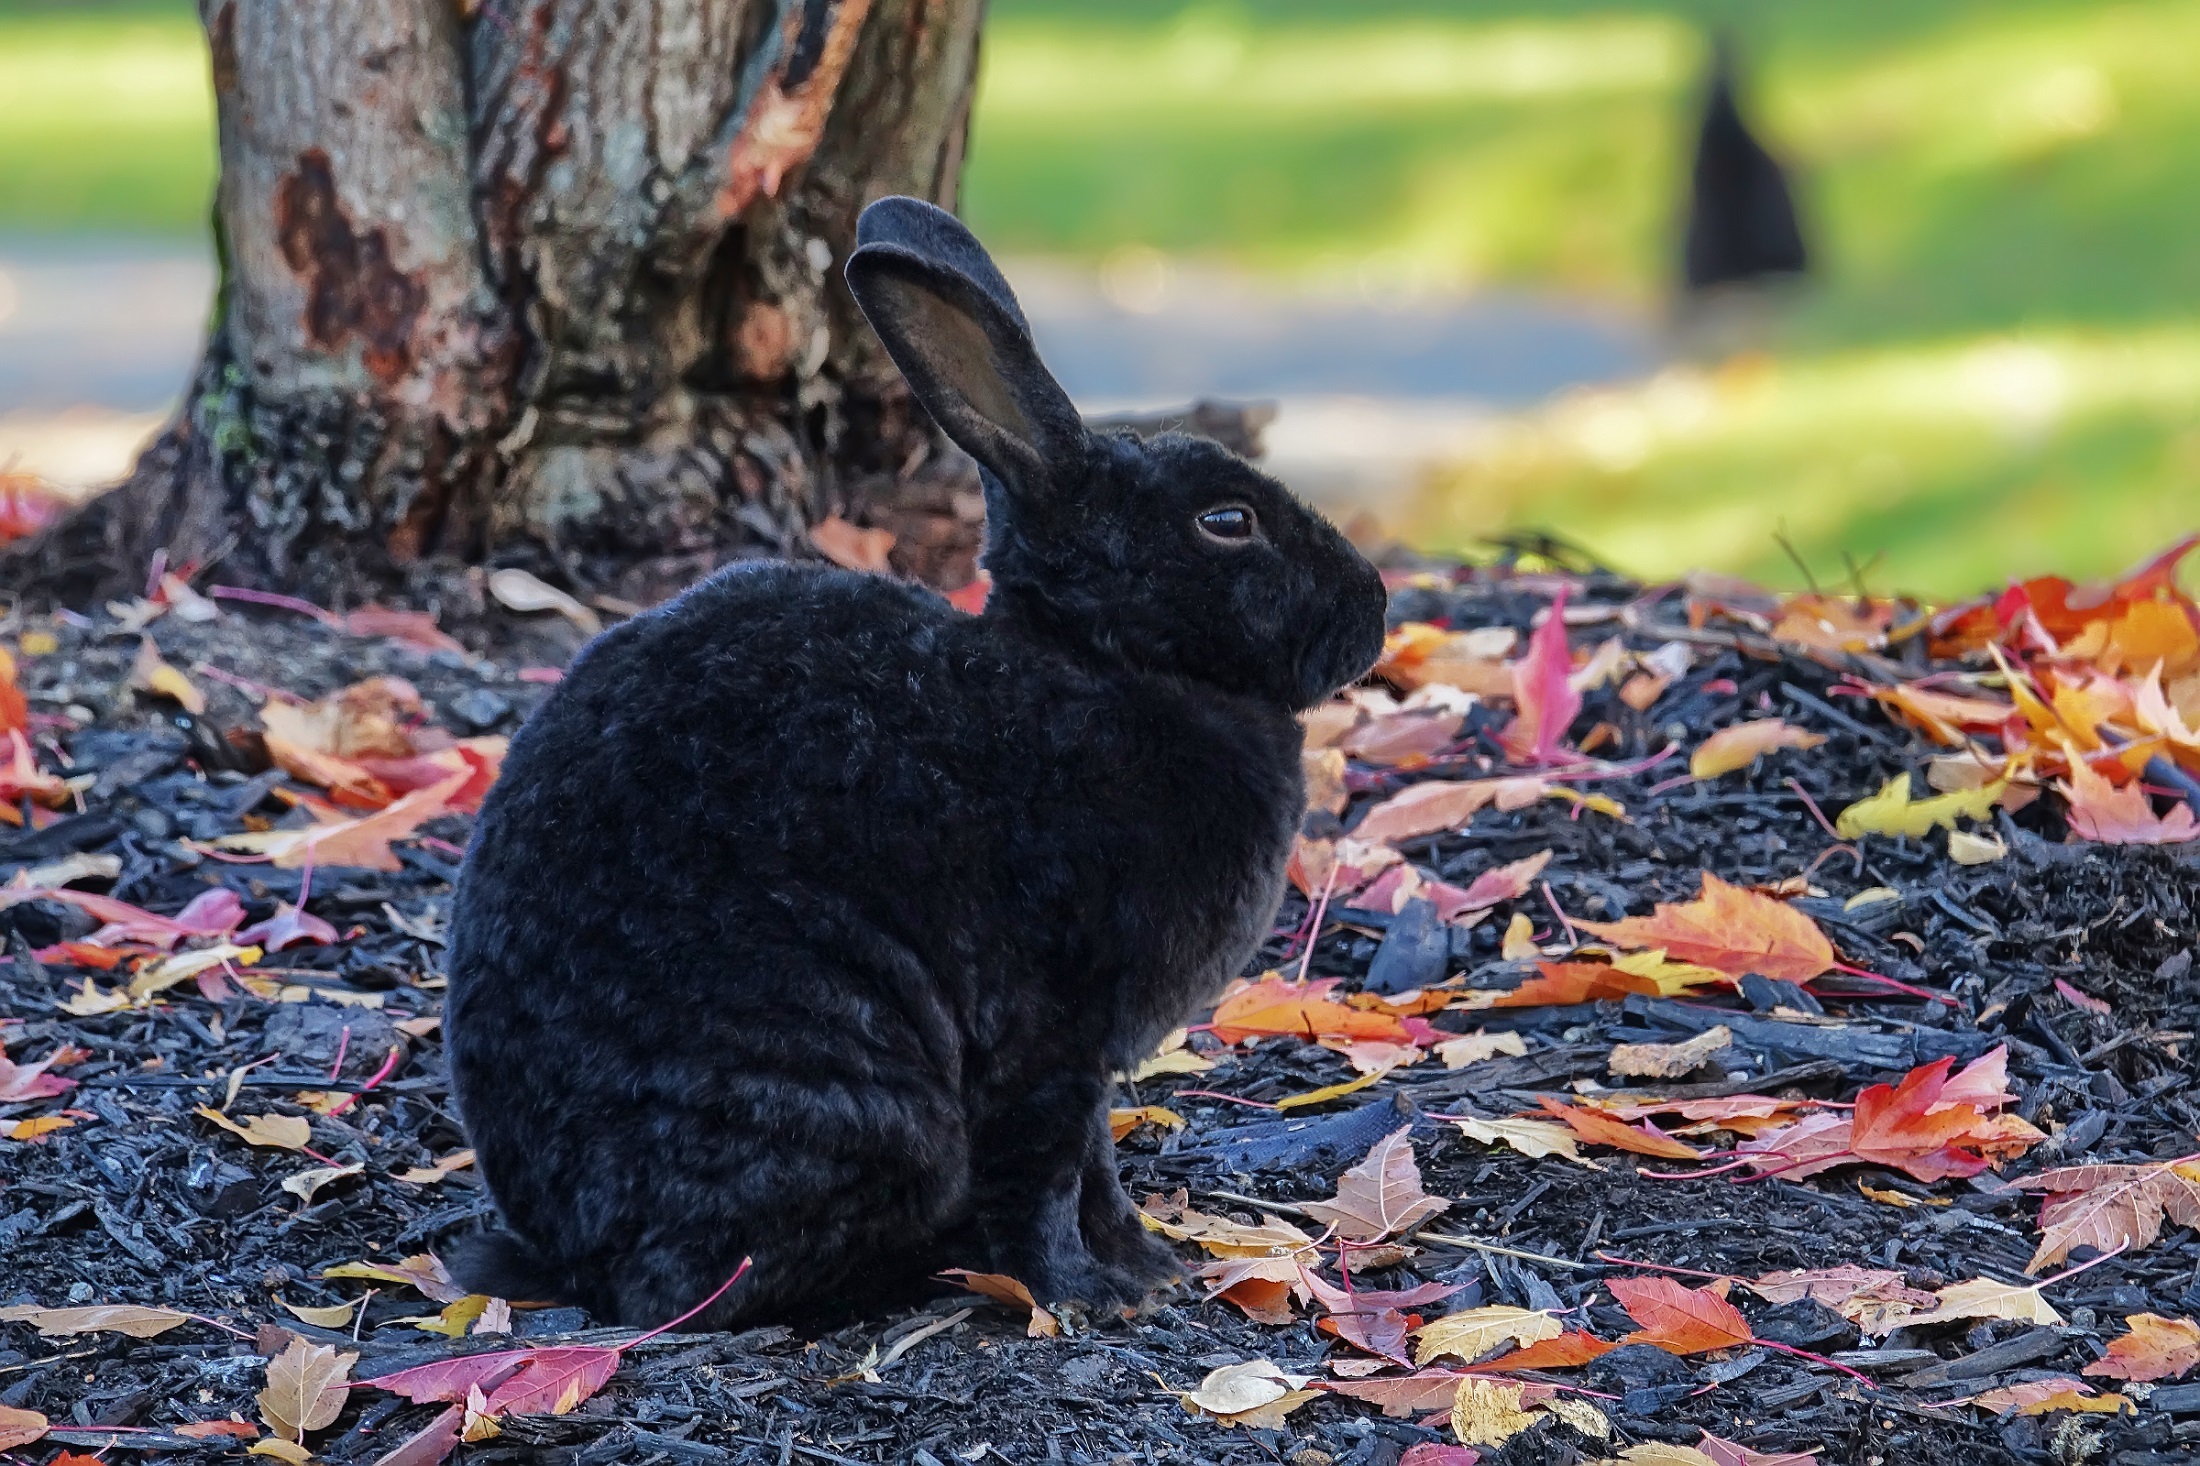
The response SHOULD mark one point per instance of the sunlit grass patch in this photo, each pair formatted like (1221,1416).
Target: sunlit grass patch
(1943,466)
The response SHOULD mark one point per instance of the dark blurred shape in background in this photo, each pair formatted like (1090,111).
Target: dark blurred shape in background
(1742,227)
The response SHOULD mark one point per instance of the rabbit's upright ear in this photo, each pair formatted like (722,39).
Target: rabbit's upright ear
(953,327)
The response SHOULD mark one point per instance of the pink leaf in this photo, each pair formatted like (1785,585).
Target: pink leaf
(1429,1453)
(553,1381)
(30,1081)
(287,928)
(212,913)
(429,1445)
(1543,689)
(448,1380)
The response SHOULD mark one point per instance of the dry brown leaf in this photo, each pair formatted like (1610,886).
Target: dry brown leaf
(279,1132)
(306,1386)
(2156,1348)
(1659,1453)
(1002,1288)
(2109,1206)
(99,1318)
(1381,1196)
(20,1427)
(1669,1061)
(1474,1332)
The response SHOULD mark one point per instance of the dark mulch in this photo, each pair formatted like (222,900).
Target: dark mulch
(141,1201)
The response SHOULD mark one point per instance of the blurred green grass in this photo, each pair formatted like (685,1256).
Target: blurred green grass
(1988,181)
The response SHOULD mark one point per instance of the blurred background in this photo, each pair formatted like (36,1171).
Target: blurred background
(1446,239)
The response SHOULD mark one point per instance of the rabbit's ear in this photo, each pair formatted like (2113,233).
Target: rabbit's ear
(953,327)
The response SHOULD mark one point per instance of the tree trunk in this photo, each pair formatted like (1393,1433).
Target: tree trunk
(547,283)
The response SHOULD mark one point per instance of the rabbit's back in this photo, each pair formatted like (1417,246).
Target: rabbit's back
(791,877)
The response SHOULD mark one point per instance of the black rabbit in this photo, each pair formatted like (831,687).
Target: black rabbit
(810,916)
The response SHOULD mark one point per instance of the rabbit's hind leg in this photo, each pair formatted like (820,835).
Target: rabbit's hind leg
(1030,1160)
(1109,1222)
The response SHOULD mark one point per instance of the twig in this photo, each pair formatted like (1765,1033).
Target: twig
(1450,1241)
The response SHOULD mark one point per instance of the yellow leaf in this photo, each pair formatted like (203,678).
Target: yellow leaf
(1965,848)
(1329,1091)
(166,973)
(306,1183)
(1532,1138)
(150,674)
(1123,1122)
(1255,1393)
(1520,939)
(1673,978)
(280,1449)
(34,1127)
(1487,1413)
(1474,1332)
(1988,1298)
(335,1316)
(421,1272)
(456,1318)
(1892,812)
(280,1132)
(1477,1047)
(93,1001)
(305,1388)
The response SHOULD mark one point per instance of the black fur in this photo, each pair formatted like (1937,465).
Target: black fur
(810,916)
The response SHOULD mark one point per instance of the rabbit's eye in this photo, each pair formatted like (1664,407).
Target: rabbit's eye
(1231,523)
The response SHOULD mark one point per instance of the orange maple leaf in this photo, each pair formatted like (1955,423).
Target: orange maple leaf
(1560,983)
(1905,1127)
(1567,1351)
(1679,1320)
(1734,930)
(1276,1005)
(2156,1348)
(1602,1129)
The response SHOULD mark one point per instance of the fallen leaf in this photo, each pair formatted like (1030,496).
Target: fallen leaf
(1324,769)
(1122,1122)
(286,1451)
(516,590)
(1562,984)
(1599,1128)
(553,1381)
(1742,744)
(1669,1061)
(1434,1453)
(1330,1092)
(306,1387)
(100,1318)
(1730,928)
(2155,1348)
(2110,1206)
(1221,1236)
(20,1427)
(287,928)
(1002,1288)
(1478,1047)
(279,1132)
(306,1184)
(1401,1396)
(1892,812)
(1659,1453)
(851,547)
(33,1128)
(1437,806)
(1543,691)
(1986,1298)
(1381,1196)
(431,1445)
(1532,1138)
(334,1316)
(148,673)
(1563,1351)
(1486,1412)
(1474,1332)
(1405,738)
(1276,1006)
(421,1272)
(2100,811)
(22,1082)
(363,843)
(1255,1394)
(207,1430)
(1679,1320)
(455,1319)
(1965,848)
(2081,1399)
(1876,1300)
(1519,943)
(1727,1453)
(1584,1417)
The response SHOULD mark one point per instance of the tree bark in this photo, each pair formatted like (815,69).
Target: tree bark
(546,283)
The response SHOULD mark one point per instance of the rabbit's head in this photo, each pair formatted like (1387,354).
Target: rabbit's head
(1172,554)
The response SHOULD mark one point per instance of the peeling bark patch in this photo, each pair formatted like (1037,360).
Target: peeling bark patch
(352,286)
(221,38)
(787,119)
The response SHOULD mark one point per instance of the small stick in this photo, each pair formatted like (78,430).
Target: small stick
(1451,1241)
